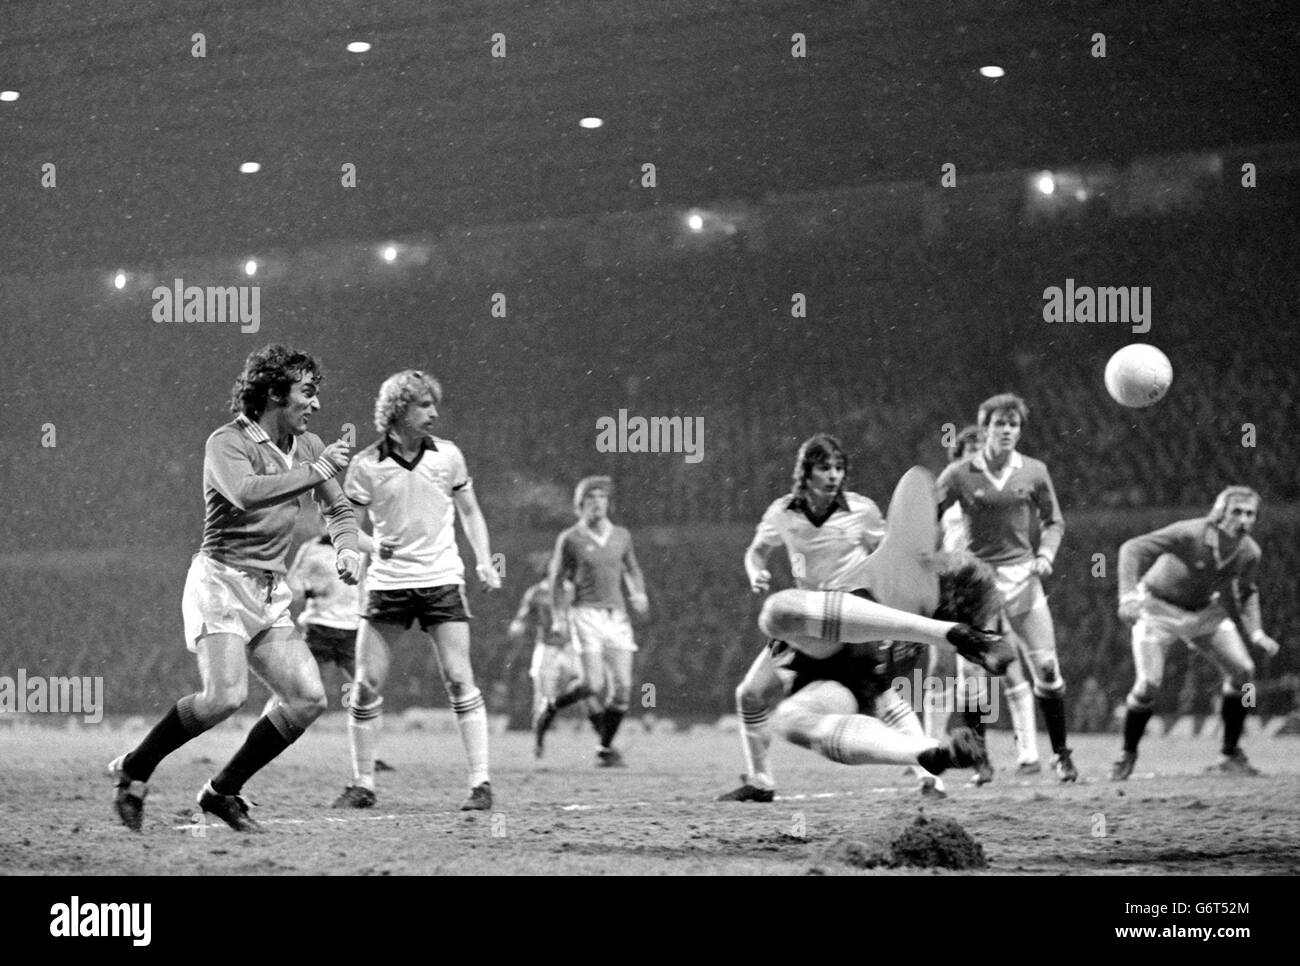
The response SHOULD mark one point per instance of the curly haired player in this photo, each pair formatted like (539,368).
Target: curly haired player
(236,600)
(1194,581)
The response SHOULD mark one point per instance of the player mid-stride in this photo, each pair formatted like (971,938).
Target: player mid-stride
(236,600)
(1194,581)
(596,556)
(413,485)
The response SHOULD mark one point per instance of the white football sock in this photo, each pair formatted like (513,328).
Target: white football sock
(471,721)
(756,740)
(363,738)
(1020,701)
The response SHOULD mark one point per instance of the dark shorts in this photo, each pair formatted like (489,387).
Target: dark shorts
(866,669)
(428,605)
(332,644)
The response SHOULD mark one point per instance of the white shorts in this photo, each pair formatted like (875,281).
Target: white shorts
(1020,587)
(554,670)
(220,599)
(1161,623)
(593,629)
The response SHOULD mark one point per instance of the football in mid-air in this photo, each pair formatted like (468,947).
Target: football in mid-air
(1138,375)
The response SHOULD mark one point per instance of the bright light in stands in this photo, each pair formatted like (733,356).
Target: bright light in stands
(1045,183)
(390,253)
(992,71)
(590,123)
(1080,194)
(119,280)
(695,221)
(358,47)
(8,95)
(250,167)
(250,267)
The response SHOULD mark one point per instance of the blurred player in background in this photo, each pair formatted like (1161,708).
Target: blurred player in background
(413,485)
(331,609)
(828,532)
(1194,581)
(556,665)
(997,490)
(833,640)
(236,600)
(970,682)
(597,557)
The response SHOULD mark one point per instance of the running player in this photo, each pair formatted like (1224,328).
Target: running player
(413,485)
(833,651)
(597,557)
(998,488)
(236,600)
(828,532)
(556,667)
(971,683)
(1194,581)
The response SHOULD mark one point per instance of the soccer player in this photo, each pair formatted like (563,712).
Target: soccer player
(597,557)
(413,484)
(236,600)
(556,667)
(834,654)
(971,683)
(1194,581)
(998,489)
(828,532)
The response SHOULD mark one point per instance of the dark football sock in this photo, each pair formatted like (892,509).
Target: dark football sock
(609,726)
(1135,725)
(264,742)
(598,723)
(973,719)
(177,727)
(936,760)
(1053,707)
(1233,710)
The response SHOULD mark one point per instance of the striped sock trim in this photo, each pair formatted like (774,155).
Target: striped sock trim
(833,744)
(833,616)
(755,719)
(189,720)
(469,703)
(365,712)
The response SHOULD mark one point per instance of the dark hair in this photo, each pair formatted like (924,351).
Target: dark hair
(971,434)
(968,592)
(271,370)
(1008,401)
(817,448)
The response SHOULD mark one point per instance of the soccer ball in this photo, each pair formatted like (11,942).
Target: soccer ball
(1138,375)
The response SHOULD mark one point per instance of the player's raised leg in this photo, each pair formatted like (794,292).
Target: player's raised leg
(756,696)
(823,717)
(280,658)
(451,640)
(375,640)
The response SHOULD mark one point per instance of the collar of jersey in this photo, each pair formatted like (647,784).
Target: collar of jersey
(799,504)
(257,434)
(387,448)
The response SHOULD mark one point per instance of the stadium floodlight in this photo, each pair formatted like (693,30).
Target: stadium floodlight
(358,47)
(119,280)
(992,70)
(695,221)
(591,123)
(1045,183)
(250,267)
(390,253)
(250,167)
(8,95)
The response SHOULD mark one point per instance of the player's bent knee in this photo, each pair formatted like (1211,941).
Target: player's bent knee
(1143,695)
(779,616)
(221,704)
(457,689)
